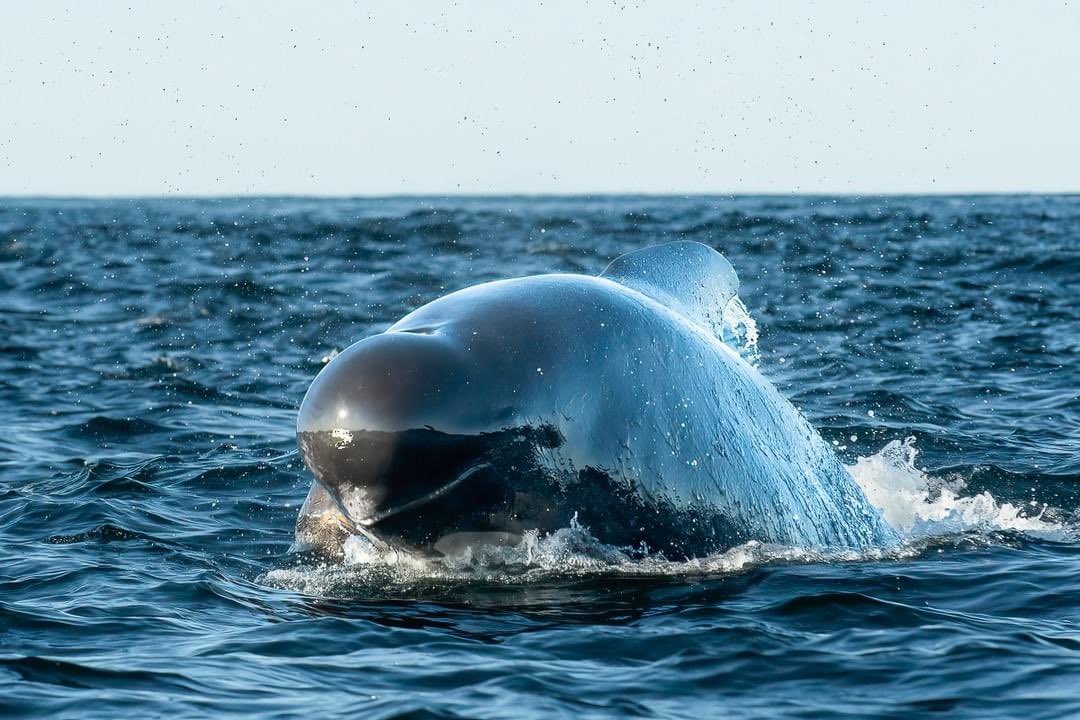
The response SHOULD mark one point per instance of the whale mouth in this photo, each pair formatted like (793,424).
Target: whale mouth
(409,488)
(438,492)
(375,474)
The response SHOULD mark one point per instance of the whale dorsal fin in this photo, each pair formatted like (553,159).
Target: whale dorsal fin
(690,278)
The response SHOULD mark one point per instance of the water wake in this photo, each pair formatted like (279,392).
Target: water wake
(926,510)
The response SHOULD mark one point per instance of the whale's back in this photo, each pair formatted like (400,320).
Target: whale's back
(630,370)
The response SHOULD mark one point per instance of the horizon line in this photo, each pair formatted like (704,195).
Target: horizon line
(533,195)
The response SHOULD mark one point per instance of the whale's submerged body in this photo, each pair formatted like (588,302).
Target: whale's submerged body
(516,405)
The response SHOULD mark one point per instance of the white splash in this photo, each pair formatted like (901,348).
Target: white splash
(566,553)
(919,506)
(741,331)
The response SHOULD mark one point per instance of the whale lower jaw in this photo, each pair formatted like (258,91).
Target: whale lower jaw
(322,528)
(415,489)
(448,544)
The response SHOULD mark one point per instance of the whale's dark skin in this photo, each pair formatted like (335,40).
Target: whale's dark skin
(518,404)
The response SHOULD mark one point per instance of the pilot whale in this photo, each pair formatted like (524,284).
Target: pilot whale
(520,404)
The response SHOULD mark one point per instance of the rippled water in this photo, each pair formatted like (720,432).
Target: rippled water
(153,355)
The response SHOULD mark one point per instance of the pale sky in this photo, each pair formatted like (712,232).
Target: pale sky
(384,98)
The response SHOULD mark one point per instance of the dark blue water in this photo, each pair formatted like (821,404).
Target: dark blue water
(153,354)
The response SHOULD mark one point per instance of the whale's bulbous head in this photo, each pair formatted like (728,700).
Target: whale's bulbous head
(383,429)
(386,383)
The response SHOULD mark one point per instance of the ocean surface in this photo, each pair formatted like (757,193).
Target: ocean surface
(153,354)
